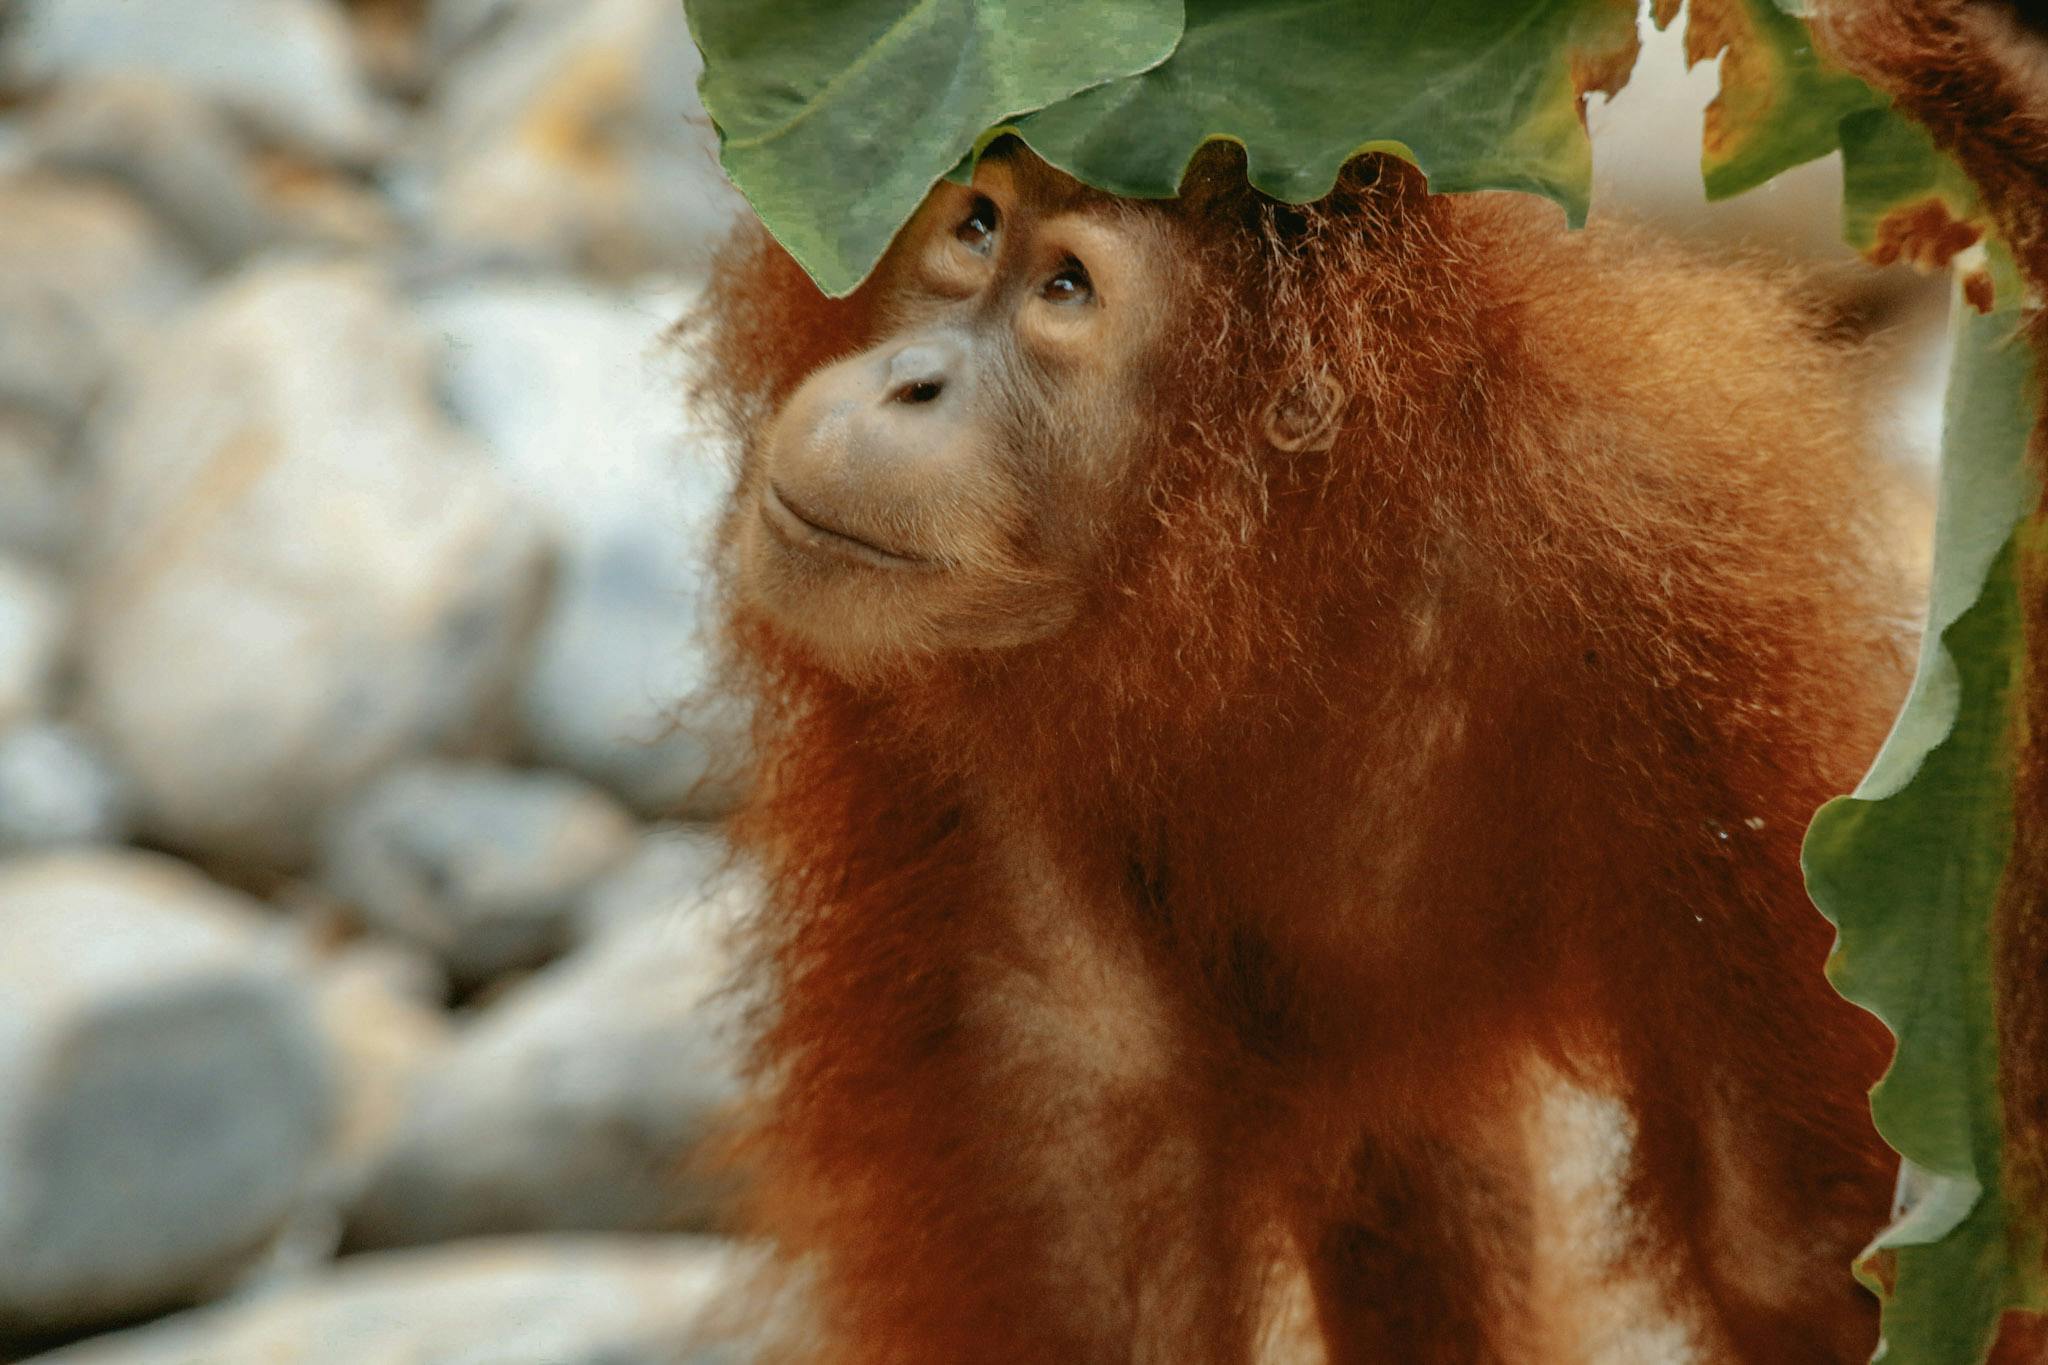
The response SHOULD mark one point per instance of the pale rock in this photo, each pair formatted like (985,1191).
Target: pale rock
(384,1038)
(378,1006)
(675,870)
(32,628)
(479,865)
(300,573)
(57,790)
(531,1301)
(572,134)
(454,26)
(576,1100)
(163,1090)
(285,67)
(325,210)
(391,968)
(188,161)
(38,488)
(84,273)
(581,407)
(166,146)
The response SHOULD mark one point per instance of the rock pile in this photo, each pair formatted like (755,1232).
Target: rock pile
(362,904)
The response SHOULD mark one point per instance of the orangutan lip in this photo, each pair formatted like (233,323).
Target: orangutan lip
(789,520)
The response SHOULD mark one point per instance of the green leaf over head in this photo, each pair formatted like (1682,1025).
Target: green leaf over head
(1479,95)
(1781,103)
(836,116)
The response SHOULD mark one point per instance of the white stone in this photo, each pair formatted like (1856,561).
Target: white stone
(38,490)
(57,790)
(164,144)
(571,390)
(163,1092)
(453,26)
(32,626)
(572,133)
(574,1101)
(384,1039)
(674,871)
(481,866)
(299,572)
(84,271)
(536,1301)
(284,66)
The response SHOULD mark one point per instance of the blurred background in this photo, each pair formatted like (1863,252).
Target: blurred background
(361,891)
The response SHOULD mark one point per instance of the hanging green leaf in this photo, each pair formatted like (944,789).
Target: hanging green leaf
(1780,105)
(1477,96)
(1902,199)
(1908,869)
(836,116)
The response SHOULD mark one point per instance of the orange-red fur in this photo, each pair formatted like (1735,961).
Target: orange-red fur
(1489,733)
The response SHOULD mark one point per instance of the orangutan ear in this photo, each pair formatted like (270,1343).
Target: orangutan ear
(1306,416)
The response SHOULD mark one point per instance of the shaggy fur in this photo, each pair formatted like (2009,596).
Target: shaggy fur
(1107,972)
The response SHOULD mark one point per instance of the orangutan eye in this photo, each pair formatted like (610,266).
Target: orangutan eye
(977,231)
(1070,285)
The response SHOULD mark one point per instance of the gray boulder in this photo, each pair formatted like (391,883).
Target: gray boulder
(480,865)
(32,627)
(286,67)
(575,1102)
(377,1005)
(84,272)
(567,388)
(163,1090)
(57,790)
(552,1301)
(299,573)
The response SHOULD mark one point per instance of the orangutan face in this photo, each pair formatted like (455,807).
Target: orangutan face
(953,486)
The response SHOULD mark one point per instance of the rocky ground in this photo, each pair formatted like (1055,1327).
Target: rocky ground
(361,893)
(360,886)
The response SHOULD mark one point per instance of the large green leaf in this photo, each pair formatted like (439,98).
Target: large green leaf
(1478,94)
(836,116)
(1908,869)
